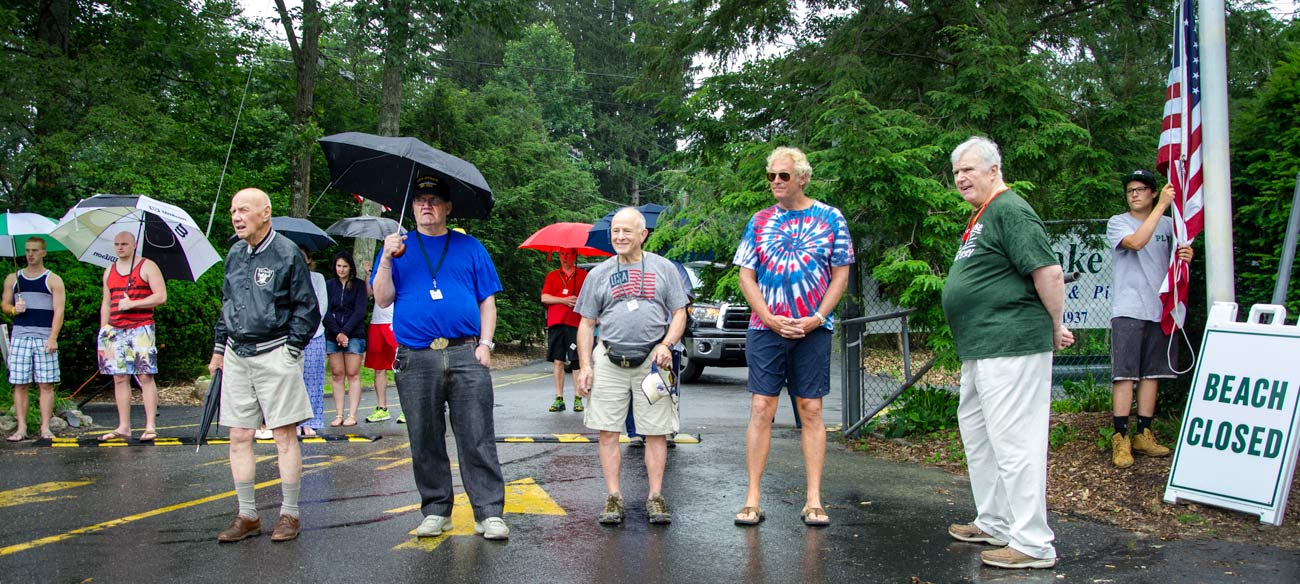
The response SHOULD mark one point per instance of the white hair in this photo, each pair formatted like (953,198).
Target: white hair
(986,150)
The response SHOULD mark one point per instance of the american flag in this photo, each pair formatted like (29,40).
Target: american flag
(363,201)
(1179,158)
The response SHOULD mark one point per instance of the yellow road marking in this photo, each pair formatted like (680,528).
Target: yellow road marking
(33,494)
(523,496)
(517,439)
(392,465)
(572,438)
(508,380)
(13,549)
(226,461)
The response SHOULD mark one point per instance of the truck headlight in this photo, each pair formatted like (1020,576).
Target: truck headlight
(706,314)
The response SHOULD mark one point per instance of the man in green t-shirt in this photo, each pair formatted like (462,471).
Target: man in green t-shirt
(1003,299)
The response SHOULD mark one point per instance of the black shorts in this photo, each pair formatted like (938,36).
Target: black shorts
(1140,350)
(562,343)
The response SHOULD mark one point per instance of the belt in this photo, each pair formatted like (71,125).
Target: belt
(441,343)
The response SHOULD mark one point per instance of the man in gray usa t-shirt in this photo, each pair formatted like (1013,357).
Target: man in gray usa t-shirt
(1140,242)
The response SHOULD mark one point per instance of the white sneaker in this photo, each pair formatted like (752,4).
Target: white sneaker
(433,526)
(492,528)
(263,434)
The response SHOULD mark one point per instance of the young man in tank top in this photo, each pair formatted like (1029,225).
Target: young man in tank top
(133,287)
(34,297)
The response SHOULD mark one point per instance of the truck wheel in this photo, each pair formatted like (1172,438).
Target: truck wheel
(691,370)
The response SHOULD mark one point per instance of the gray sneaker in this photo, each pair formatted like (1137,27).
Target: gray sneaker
(613,513)
(433,526)
(656,508)
(492,528)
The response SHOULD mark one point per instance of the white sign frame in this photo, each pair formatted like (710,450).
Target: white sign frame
(1203,475)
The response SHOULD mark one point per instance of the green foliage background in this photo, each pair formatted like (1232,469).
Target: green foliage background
(574,107)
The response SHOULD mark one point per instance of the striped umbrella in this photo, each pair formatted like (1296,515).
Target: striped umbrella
(17,227)
(164,233)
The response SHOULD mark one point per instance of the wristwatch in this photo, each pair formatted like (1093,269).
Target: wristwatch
(489,344)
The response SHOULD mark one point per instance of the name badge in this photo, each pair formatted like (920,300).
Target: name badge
(564,291)
(632,305)
(435,294)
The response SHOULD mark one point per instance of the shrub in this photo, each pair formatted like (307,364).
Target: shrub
(922,410)
(1084,396)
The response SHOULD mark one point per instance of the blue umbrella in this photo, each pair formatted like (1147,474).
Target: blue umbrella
(598,236)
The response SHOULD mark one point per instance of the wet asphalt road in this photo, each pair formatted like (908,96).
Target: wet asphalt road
(151,513)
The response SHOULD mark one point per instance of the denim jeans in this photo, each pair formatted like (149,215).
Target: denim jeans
(428,381)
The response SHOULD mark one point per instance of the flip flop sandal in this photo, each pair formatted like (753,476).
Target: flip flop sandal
(351,421)
(15,437)
(338,421)
(148,436)
(809,517)
(757,512)
(114,435)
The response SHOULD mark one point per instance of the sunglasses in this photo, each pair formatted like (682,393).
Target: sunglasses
(785,176)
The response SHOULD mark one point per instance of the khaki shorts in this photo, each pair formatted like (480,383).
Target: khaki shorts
(614,389)
(267,386)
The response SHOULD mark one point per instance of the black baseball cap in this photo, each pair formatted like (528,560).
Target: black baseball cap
(430,185)
(1143,176)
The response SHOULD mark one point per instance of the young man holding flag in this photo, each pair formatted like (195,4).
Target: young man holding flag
(1141,353)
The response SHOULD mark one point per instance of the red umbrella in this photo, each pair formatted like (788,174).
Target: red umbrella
(561,236)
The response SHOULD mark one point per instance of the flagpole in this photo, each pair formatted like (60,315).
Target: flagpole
(1215,168)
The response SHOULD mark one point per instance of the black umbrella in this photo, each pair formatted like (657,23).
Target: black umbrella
(210,406)
(301,232)
(365,227)
(598,236)
(383,169)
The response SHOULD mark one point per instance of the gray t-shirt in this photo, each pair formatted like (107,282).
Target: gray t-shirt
(1135,292)
(611,288)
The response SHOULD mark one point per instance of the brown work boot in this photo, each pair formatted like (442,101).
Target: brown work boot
(1121,451)
(285,529)
(1146,445)
(241,528)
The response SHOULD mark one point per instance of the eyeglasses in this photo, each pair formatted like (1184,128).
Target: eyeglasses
(1136,190)
(785,176)
(427,202)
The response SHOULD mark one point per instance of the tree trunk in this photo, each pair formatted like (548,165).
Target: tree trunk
(305,55)
(390,101)
(51,30)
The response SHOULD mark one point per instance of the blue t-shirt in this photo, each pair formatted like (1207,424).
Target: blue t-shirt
(466,278)
(792,253)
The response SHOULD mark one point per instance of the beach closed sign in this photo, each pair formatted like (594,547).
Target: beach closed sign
(1237,448)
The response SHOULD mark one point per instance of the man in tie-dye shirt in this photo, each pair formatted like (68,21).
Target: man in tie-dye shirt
(794,260)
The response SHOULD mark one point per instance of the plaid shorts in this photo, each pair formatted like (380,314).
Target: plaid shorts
(28,360)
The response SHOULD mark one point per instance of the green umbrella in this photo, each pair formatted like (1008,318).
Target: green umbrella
(17,227)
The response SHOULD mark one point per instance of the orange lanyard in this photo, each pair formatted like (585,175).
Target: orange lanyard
(976,218)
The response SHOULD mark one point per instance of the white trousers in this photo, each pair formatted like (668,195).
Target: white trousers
(1004,416)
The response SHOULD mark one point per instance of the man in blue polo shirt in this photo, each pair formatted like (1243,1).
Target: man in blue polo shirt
(442,285)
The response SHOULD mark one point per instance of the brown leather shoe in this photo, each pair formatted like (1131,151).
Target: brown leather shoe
(285,529)
(241,528)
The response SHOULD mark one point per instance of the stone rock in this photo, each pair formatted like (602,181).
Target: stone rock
(86,421)
(58,425)
(8,424)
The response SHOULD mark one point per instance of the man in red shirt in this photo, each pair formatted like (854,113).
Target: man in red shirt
(133,287)
(559,294)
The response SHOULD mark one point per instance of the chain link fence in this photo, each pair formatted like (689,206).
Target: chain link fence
(883,353)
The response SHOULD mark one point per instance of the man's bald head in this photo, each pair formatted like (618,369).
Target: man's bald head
(124,244)
(252,196)
(250,215)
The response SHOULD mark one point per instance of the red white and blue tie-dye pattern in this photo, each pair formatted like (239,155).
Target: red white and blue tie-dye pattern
(792,253)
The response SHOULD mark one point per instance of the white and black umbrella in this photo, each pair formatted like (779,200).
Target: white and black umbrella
(164,233)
